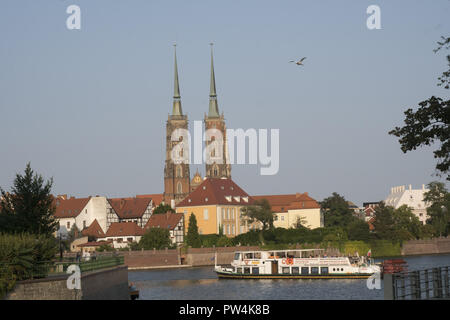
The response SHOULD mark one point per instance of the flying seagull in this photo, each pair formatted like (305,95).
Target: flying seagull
(299,62)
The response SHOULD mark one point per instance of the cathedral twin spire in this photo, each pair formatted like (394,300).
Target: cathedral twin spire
(213,111)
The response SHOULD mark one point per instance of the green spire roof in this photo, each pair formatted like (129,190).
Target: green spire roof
(177,111)
(213,106)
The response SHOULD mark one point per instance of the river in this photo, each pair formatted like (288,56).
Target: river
(201,283)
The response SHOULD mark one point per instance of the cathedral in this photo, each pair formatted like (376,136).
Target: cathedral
(177,179)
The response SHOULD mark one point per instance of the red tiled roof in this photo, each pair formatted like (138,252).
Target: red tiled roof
(117,229)
(156,197)
(167,220)
(94,243)
(216,191)
(94,230)
(129,207)
(285,202)
(69,208)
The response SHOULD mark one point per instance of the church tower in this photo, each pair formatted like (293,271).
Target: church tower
(213,120)
(176,175)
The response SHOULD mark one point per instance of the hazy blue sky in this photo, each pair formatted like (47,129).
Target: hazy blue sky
(88,107)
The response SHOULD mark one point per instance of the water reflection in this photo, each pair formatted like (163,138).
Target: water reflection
(202,284)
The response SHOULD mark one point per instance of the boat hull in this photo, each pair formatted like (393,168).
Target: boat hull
(228,275)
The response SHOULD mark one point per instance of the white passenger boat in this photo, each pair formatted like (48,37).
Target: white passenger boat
(296,264)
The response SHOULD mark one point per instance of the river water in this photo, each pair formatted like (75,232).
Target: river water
(201,283)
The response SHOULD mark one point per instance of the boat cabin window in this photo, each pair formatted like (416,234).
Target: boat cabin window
(247,270)
(281,254)
(255,270)
(324,270)
(285,270)
(248,255)
(257,255)
(291,254)
(314,270)
(238,270)
(305,270)
(237,256)
(295,270)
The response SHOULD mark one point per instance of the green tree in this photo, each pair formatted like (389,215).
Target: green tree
(430,123)
(384,227)
(224,241)
(438,199)
(358,230)
(29,206)
(336,211)
(192,237)
(260,211)
(163,208)
(396,224)
(158,238)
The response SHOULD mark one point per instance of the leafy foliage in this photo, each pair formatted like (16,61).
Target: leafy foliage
(439,210)
(163,208)
(430,123)
(158,238)
(192,237)
(336,211)
(23,256)
(396,224)
(29,206)
(260,211)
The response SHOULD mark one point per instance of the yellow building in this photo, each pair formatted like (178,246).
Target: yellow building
(290,208)
(217,203)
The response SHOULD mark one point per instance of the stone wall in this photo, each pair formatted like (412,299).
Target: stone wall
(430,246)
(151,258)
(206,256)
(105,284)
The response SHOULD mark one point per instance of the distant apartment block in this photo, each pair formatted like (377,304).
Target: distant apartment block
(413,198)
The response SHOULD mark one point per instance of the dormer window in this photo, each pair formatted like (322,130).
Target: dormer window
(245,199)
(206,199)
(189,200)
(228,198)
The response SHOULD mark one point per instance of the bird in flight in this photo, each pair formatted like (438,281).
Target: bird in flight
(299,62)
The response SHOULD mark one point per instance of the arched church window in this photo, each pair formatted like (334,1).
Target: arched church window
(179,188)
(179,172)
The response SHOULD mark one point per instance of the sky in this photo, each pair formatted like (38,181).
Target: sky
(88,107)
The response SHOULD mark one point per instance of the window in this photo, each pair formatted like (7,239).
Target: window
(295,270)
(232,213)
(285,270)
(119,240)
(179,172)
(238,270)
(237,256)
(205,214)
(68,225)
(84,224)
(130,239)
(223,213)
(232,229)
(228,229)
(228,213)
(282,218)
(324,270)
(314,270)
(255,270)
(247,270)
(179,188)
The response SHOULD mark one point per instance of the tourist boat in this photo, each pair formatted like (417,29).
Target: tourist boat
(296,264)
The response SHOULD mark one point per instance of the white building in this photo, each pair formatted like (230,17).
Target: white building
(413,198)
(80,212)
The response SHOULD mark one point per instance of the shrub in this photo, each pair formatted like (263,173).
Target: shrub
(24,256)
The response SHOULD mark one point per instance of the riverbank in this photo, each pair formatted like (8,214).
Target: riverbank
(194,257)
